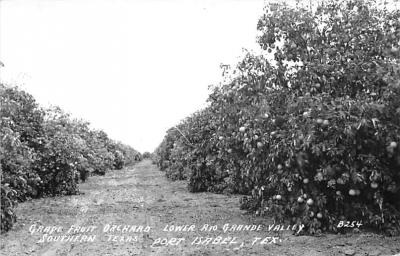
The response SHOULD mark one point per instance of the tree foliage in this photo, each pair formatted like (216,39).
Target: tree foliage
(45,152)
(310,135)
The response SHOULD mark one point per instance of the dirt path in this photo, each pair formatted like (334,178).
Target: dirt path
(141,196)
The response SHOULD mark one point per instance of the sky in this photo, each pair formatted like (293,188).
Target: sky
(131,68)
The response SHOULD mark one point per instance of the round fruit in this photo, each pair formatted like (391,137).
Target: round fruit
(325,123)
(278,197)
(305,196)
(319,215)
(260,144)
(374,185)
(221,137)
(393,144)
(242,129)
(358,192)
(280,167)
(306,114)
(300,200)
(330,171)
(310,201)
(338,193)
(305,181)
(320,121)
(317,85)
(352,192)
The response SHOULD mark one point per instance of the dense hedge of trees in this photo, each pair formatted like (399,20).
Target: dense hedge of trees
(310,135)
(45,152)
(146,155)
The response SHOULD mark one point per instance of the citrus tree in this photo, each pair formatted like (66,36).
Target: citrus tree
(309,131)
(46,152)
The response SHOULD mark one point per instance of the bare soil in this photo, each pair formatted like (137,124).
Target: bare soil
(142,196)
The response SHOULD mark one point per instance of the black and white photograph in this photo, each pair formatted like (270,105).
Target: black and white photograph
(200,127)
